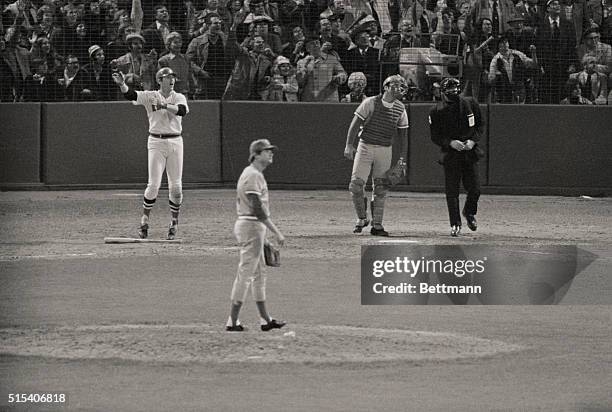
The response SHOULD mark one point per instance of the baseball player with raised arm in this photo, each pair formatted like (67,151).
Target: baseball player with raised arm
(165,109)
(253,207)
(376,121)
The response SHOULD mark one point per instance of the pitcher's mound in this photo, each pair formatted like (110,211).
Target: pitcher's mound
(204,343)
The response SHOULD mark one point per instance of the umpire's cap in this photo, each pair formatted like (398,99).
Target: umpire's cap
(163,72)
(258,146)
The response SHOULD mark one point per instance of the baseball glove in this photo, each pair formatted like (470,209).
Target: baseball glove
(396,173)
(271,255)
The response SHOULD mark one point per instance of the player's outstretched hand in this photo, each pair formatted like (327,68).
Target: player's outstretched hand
(118,78)
(349,152)
(280,239)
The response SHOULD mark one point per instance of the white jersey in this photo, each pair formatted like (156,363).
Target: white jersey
(251,181)
(162,121)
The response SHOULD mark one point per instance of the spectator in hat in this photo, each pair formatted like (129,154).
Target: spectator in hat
(357,83)
(364,59)
(142,66)
(250,78)
(520,37)
(373,28)
(593,46)
(284,86)
(556,42)
(98,74)
(209,64)
(593,84)
(255,9)
(319,74)
(178,62)
(260,26)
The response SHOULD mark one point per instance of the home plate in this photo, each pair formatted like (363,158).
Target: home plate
(139,240)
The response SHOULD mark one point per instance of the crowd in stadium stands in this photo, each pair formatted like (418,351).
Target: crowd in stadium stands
(504,51)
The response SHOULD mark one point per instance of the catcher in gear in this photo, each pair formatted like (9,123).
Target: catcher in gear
(376,122)
(455,125)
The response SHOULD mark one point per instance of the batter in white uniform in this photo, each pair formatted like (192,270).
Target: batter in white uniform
(252,205)
(165,109)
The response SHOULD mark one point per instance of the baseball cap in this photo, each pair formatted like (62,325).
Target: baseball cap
(132,36)
(257,146)
(93,49)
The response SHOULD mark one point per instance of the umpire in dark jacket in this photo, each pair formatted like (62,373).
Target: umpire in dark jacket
(456,125)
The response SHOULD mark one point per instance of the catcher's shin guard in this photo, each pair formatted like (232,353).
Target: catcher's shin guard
(360,202)
(378,202)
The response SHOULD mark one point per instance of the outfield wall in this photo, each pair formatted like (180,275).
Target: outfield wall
(539,149)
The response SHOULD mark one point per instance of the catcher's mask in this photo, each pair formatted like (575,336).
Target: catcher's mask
(450,87)
(396,81)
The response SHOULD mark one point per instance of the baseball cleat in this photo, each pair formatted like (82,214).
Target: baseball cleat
(455,230)
(235,328)
(143,231)
(471,221)
(273,324)
(172,230)
(360,225)
(379,231)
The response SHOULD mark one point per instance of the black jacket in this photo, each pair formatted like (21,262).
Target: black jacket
(451,121)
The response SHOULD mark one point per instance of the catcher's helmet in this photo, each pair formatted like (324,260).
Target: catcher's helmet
(450,86)
(396,78)
(163,72)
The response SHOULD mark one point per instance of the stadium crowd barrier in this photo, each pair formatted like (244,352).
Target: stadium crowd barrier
(531,149)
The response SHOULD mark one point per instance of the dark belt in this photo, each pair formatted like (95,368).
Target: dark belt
(164,136)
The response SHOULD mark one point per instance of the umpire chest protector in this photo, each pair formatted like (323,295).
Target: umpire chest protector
(456,121)
(381,127)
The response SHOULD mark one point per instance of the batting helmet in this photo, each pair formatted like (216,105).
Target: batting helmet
(450,86)
(163,72)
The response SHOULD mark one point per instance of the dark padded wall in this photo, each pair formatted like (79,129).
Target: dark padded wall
(102,143)
(311,139)
(424,169)
(550,146)
(20,143)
